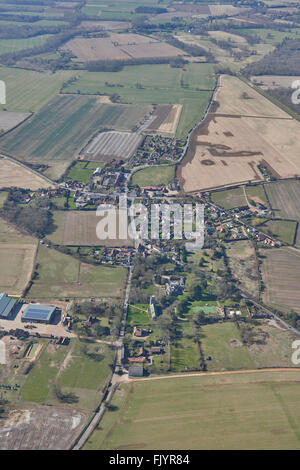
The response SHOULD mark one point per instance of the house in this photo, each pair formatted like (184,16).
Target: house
(7,306)
(156,350)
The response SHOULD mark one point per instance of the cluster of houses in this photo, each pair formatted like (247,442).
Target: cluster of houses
(156,148)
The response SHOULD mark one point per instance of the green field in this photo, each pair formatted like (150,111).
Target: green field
(61,275)
(62,128)
(153,176)
(244,411)
(29,91)
(15,45)
(159,84)
(3,197)
(79,374)
(82,171)
(229,198)
(282,230)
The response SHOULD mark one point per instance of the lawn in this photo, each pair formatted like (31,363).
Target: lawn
(156,175)
(247,411)
(82,171)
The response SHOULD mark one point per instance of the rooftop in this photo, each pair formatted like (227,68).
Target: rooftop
(38,312)
(6,305)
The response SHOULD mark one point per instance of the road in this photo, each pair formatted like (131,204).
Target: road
(116,378)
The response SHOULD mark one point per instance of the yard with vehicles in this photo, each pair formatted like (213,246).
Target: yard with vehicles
(189,413)
(244,132)
(61,129)
(61,276)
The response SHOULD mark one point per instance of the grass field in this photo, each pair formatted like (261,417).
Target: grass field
(284,197)
(14,45)
(17,254)
(157,175)
(280,271)
(62,128)
(247,411)
(29,91)
(282,230)
(61,275)
(158,84)
(243,265)
(230,198)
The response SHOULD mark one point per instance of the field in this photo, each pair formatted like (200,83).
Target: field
(12,174)
(153,176)
(120,47)
(61,275)
(155,84)
(230,198)
(284,197)
(37,427)
(244,130)
(29,91)
(281,277)
(113,144)
(78,228)
(62,128)
(14,45)
(274,81)
(282,230)
(9,120)
(17,254)
(243,265)
(244,411)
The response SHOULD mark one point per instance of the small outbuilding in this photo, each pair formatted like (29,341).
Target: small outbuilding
(136,371)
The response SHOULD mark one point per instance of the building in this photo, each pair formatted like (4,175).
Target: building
(136,371)
(38,313)
(153,308)
(7,306)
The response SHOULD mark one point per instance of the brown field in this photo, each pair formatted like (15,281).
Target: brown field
(243,265)
(281,276)
(274,81)
(104,25)
(156,49)
(119,46)
(94,49)
(37,427)
(12,174)
(170,124)
(17,254)
(243,130)
(9,120)
(284,198)
(78,228)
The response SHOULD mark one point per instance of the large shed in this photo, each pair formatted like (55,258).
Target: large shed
(38,313)
(7,305)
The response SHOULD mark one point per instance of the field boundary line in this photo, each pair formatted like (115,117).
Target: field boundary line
(207,374)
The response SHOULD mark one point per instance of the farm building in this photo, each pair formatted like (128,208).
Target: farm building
(38,313)
(136,371)
(7,306)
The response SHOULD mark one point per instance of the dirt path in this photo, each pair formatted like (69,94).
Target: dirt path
(205,374)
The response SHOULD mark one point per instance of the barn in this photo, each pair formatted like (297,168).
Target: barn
(7,306)
(39,313)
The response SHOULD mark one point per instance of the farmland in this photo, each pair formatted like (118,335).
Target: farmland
(29,91)
(9,120)
(14,45)
(155,84)
(283,230)
(12,174)
(234,411)
(284,197)
(119,47)
(17,254)
(113,144)
(234,140)
(156,176)
(60,130)
(243,265)
(280,271)
(61,275)
(78,228)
